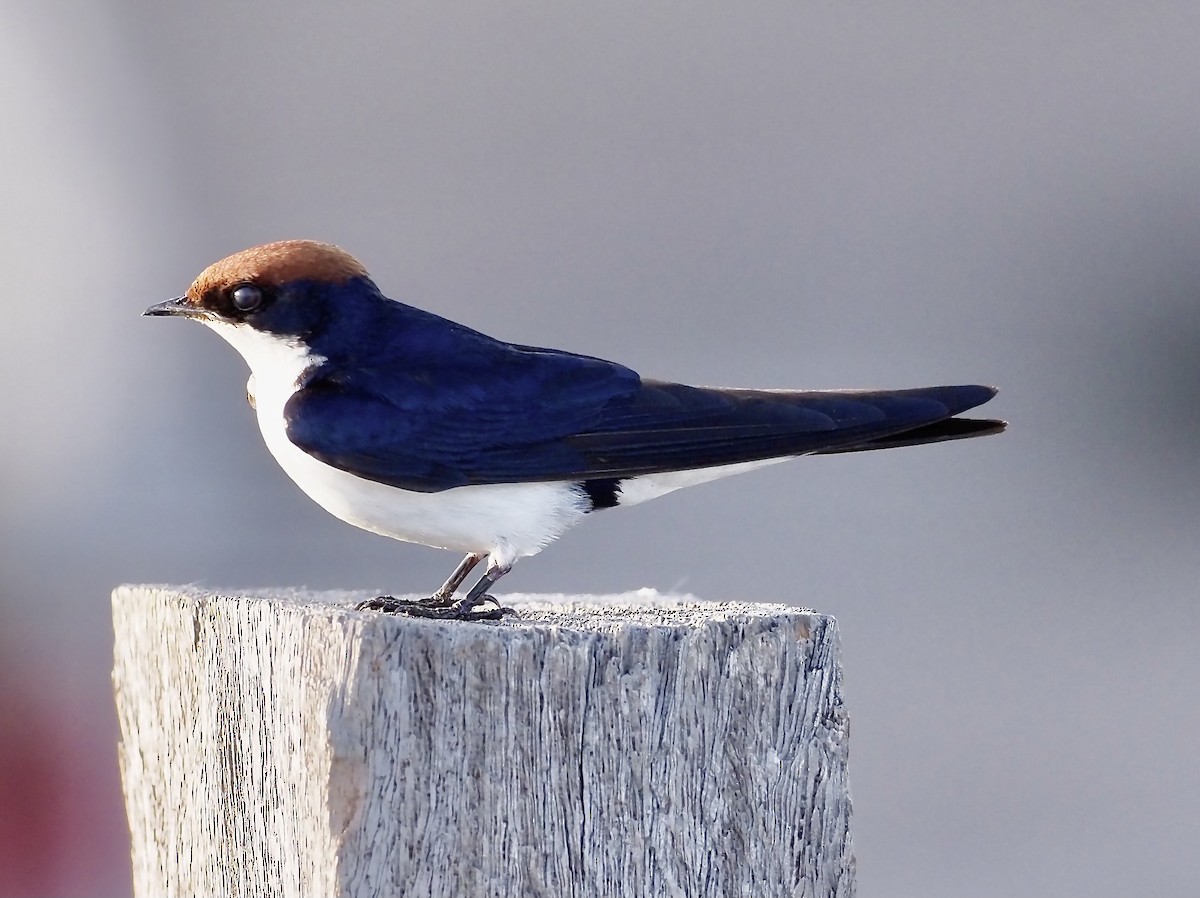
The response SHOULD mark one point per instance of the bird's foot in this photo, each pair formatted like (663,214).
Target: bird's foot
(392,605)
(438,607)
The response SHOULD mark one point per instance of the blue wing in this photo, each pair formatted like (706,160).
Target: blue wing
(442,406)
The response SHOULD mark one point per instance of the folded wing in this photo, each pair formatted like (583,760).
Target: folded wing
(521,415)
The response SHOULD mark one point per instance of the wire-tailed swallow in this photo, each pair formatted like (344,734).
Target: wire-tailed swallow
(412,426)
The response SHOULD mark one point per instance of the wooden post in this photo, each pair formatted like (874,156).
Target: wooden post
(285,745)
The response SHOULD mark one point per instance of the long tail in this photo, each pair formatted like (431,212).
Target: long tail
(677,427)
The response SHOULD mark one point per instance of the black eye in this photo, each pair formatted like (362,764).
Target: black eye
(246,298)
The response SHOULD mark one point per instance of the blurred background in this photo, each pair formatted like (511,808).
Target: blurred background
(768,194)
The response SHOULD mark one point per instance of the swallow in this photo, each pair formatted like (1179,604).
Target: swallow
(410,425)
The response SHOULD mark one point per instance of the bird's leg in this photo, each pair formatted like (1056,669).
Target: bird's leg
(445,594)
(478,594)
(443,599)
(467,608)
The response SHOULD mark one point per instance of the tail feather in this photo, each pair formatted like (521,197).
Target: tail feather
(949,429)
(667,426)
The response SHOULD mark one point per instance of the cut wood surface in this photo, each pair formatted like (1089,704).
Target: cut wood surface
(281,743)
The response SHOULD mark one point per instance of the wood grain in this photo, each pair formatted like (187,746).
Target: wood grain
(284,744)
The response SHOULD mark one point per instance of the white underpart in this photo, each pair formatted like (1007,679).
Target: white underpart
(505,520)
(651,486)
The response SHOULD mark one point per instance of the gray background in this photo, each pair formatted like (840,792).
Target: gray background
(754,194)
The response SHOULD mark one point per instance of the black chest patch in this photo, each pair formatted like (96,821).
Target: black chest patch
(604,492)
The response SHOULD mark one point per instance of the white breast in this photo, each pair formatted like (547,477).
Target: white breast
(508,521)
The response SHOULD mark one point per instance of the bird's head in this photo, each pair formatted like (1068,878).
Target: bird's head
(277,293)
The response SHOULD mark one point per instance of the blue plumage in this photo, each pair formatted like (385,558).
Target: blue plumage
(429,405)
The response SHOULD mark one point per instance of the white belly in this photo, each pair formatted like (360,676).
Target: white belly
(507,520)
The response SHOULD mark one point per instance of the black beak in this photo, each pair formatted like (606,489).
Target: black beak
(177,306)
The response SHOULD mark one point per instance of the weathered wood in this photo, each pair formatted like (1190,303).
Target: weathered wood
(614,746)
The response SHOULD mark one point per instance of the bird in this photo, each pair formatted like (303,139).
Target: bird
(413,426)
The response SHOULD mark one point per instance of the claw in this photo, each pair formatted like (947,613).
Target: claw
(437,608)
(442,605)
(386,604)
(393,605)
